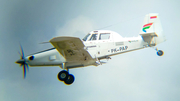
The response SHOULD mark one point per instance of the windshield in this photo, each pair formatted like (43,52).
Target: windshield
(93,37)
(85,38)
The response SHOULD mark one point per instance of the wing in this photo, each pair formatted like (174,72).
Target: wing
(71,48)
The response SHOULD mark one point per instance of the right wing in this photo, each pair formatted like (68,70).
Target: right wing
(71,48)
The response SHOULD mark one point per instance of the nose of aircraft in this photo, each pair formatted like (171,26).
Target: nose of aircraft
(20,61)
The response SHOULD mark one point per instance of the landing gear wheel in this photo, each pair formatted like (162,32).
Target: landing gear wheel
(69,80)
(63,75)
(160,52)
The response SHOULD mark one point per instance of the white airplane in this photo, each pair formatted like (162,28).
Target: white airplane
(72,52)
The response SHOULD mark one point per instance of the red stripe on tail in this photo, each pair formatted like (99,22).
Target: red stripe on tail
(149,24)
(153,17)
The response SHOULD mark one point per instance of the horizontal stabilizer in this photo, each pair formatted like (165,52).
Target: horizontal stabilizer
(149,34)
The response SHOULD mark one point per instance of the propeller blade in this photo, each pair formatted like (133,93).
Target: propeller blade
(24,69)
(27,67)
(22,52)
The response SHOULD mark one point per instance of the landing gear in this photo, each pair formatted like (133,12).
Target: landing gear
(69,80)
(63,75)
(66,77)
(160,52)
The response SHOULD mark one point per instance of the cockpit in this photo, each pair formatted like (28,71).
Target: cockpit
(101,35)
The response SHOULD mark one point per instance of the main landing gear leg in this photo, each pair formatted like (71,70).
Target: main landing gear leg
(65,76)
(159,52)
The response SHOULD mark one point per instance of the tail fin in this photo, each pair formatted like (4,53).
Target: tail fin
(151,30)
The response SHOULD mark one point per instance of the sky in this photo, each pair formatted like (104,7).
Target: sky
(135,76)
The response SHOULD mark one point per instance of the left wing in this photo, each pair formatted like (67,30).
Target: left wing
(71,48)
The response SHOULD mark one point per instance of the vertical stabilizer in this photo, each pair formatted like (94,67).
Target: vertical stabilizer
(151,30)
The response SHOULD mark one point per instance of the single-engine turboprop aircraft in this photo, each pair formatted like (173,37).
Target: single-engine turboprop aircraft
(72,52)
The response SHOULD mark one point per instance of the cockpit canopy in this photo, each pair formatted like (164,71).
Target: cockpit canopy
(102,35)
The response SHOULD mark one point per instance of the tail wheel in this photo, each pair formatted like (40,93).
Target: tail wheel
(69,80)
(160,52)
(63,75)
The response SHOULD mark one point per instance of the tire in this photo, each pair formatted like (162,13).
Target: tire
(69,80)
(160,52)
(63,75)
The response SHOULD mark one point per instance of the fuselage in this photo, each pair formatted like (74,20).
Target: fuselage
(99,48)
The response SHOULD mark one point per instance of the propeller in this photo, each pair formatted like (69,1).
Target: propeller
(22,62)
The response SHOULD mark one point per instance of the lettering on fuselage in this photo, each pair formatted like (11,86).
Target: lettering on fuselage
(119,49)
(132,41)
(91,46)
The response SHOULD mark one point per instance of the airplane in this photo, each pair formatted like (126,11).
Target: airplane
(72,52)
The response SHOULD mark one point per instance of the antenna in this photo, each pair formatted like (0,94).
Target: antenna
(119,22)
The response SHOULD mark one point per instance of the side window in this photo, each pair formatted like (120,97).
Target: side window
(93,37)
(104,36)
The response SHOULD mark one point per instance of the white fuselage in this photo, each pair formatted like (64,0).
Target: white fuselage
(100,49)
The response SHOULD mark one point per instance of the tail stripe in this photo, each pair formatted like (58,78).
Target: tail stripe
(146,26)
(153,17)
(149,24)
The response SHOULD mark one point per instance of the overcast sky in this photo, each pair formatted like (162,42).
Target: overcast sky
(136,76)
